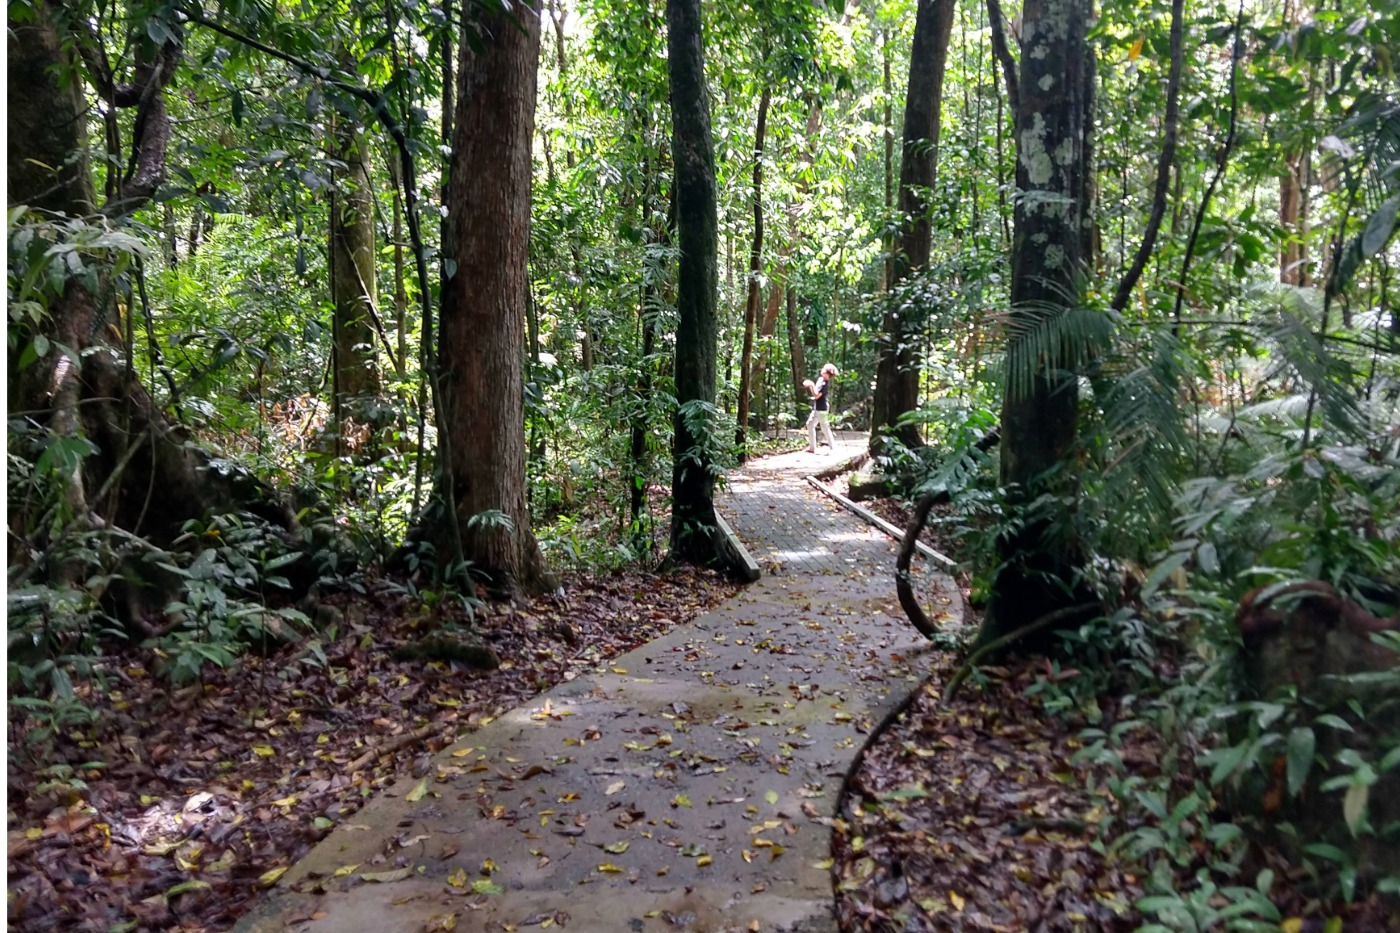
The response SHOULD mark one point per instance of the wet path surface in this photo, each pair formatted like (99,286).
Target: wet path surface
(684,787)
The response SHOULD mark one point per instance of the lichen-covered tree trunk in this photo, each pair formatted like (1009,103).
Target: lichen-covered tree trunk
(484,299)
(694,535)
(352,265)
(897,369)
(1050,252)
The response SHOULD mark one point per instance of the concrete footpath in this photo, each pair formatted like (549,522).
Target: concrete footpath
(680,788)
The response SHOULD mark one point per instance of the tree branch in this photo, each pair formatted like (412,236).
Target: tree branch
(1003,54)
(1237,52)
(1164,163)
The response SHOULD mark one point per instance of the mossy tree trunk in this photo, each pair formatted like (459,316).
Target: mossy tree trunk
(352,268)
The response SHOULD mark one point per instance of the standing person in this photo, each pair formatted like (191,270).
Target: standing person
(820,408)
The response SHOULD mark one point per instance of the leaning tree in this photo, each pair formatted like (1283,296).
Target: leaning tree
(79,413)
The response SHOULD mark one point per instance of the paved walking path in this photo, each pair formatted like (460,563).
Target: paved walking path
(681,788)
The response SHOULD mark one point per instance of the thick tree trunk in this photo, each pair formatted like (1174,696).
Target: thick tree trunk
(483,301)
(352,270)
(898,369)
(755,267)
(1050,253)
(694,535)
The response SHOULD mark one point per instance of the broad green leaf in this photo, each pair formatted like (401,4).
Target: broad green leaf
(1379,227)
(1302,745)
(1354,805)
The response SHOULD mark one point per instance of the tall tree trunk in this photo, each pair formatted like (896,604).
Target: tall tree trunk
(1292,217)
(694,535)
(897,370)
(755,268)
(483,300)
(888,238)
(352,267)
(1050,255)
(797,352)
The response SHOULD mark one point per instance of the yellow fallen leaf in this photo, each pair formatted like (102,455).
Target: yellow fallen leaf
(956,900)
(285,801)
(680,800)
(418,792)
(617,848)
(268,878)
(264,751)
(614,787)
(702,861)
(610,868)
(344,870)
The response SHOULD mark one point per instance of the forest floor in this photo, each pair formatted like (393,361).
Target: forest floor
(975,816)
(177,808)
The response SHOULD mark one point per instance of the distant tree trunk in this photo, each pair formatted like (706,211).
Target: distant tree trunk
(1293,187)
(795,348)
(483,300)
(139,473)
(694,535)
(172,252)
(646,316)
(755,267)
(352,269)
(1050,253)
(766,328)
(888,266)
(897,370)
(1292,217)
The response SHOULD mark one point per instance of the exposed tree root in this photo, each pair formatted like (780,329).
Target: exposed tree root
(1045,621)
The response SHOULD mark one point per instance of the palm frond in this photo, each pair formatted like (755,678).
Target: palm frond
(1290,318)
(1054,341)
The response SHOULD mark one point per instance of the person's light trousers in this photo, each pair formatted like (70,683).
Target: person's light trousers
(819,418)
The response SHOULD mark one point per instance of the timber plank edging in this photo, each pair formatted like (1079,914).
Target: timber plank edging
(880,523)
(736,555)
